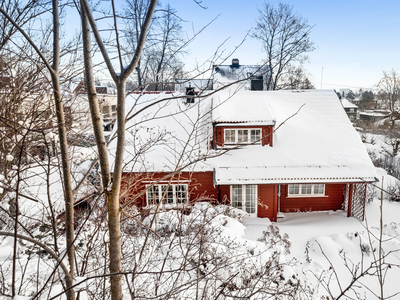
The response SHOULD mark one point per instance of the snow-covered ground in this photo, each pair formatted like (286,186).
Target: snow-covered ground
(328,247)
(326,243)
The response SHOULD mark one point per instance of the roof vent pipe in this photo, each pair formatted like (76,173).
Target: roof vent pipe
(190,94)
(235,63)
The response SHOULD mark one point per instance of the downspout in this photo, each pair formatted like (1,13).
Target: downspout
(214,141)
(280,215)
(279,198)
(218,186)
(214,136)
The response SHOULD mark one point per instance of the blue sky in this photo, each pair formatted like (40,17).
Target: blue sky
(355,39)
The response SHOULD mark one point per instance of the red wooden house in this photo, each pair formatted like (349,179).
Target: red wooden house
(266,152)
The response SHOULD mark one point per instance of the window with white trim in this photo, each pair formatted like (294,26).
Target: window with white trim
(242,136)
(170,194)
(306,190)
(244,197)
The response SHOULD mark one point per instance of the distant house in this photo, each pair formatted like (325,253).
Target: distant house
(350,109)
(181,85)
(373,115)
(78,108)
(250,77)
(265,152)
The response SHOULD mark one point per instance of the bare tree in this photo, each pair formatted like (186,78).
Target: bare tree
(295,78)
(160,60)
(376,261)
(51,61)
(109,242)
(167,48)
(285,37)
(112,187)
(22,13)
(389,92)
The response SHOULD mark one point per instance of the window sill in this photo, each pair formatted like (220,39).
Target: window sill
(307,196)
(241,145)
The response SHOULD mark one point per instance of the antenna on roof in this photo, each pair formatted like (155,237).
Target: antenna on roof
(322,76)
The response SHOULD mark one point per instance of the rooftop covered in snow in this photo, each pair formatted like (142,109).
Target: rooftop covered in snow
(347,104)
(250,108)
(314,140)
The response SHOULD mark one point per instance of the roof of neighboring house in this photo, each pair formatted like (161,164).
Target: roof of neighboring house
(347,104)
(314,140)
(238,76)
(374,113)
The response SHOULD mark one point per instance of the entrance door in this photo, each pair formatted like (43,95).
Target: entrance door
(245,197)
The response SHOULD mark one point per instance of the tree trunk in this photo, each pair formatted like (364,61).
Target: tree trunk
(68,195)
(113,198)
(112,192)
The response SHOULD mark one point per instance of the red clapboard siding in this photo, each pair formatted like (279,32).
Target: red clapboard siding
(267,195)
(219,136)
(332,201)
(200,186)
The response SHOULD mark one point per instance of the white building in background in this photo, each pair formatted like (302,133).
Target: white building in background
(78,107)
(344,92)
(351,109)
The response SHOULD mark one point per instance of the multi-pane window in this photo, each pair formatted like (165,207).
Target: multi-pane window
(230,136)
(255,135)
(170,194)
(242,136)
(306,190)
(181,193)
(244,197)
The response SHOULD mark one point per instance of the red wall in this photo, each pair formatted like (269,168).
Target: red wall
(201,188)
(332,201)
(268,197)
(200,185)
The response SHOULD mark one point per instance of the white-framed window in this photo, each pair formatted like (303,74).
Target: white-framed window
(244,197)
(242,136)
(170,194)
(306,190)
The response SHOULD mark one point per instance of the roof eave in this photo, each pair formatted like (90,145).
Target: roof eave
(297,180)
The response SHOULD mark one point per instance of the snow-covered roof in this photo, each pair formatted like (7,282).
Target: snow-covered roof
(314,140)
(168,134)
(250,108)
(374,113)
(347,104)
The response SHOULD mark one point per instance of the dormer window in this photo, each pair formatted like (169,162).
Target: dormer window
(242,136)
